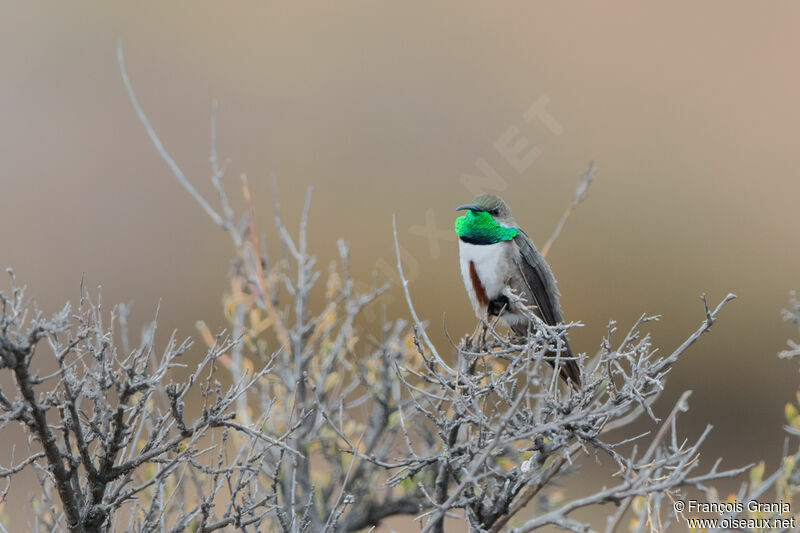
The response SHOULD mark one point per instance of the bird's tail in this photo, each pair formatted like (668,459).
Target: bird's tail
(568,368)
(567,365)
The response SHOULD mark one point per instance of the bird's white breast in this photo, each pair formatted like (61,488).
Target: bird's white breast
(491,262)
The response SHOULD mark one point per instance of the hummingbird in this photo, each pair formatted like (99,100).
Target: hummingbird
(495,255)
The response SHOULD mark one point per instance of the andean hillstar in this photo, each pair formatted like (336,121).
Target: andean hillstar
(496,254)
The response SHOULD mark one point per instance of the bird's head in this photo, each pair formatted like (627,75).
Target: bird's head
(487,220)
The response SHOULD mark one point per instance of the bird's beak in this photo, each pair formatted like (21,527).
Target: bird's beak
(471,207)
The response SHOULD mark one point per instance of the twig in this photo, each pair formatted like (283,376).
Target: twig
(419,327)
(173,166)
(580,195)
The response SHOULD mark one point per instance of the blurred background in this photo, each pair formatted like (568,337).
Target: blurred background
(689,111)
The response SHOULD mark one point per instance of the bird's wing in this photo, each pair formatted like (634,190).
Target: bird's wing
(542,287)
(539,280)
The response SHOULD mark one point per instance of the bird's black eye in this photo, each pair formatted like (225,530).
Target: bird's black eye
(494,212)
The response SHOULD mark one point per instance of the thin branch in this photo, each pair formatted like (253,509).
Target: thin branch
(173,166)
(578,197)
(420,328)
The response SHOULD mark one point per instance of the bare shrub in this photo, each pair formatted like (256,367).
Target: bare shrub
(327,426)
(108,432)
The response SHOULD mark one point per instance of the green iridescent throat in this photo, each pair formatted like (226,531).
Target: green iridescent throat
(478,227)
